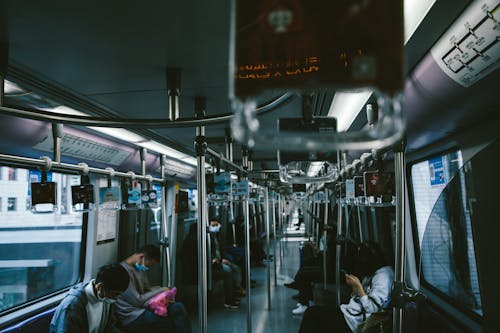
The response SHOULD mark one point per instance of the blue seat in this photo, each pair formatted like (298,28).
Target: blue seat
(36,324)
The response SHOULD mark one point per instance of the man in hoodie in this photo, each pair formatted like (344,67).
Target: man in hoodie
(88,306)
(132,305)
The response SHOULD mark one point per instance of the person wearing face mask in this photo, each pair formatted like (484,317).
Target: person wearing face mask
(230,272)
(88,306)
(132,305)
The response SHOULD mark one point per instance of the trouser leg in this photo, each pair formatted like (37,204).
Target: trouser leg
(228,283)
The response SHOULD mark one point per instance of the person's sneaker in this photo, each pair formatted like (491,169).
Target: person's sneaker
(299,309)
(232,305)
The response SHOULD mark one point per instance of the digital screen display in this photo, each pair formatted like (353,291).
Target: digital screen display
(82,194)
(43,193)
(359,186)
(318,43)
(318,125)
(299,188)
(380,184)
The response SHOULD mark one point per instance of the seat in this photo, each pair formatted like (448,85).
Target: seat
(38,323)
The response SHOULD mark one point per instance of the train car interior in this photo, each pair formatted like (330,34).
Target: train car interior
(271,137)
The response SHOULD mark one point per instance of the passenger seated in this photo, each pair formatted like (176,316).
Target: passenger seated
(231,272)
(370,294)
(87,308)
(312,271)
(132,305)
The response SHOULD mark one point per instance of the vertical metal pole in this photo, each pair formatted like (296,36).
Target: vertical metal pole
(165,252)
(274,243)
(229,156)
(256,225)
(399,272)
(247,248)
(143,154)
(339,237)
(280,224)
(373,216)
(311,218)
(360,225)
(347,222)
(229,145)
(57,133)
(174,84)
(325,247)
(2,89)
(173,237)
(318,214)
(268,246)
(247,258)
(200,148)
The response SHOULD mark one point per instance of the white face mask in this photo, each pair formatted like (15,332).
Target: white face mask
(214,228)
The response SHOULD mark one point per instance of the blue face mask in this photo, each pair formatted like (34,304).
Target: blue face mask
(141,267)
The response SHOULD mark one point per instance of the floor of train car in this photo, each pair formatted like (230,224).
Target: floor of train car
(279,318)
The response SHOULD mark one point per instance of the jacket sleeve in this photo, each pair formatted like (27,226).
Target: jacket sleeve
(379,293)
(68,319)
(134,298)
(112,325)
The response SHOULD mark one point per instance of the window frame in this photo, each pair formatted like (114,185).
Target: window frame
(81,271)
(416,241)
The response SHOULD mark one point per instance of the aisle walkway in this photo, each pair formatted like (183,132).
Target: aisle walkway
(276,320)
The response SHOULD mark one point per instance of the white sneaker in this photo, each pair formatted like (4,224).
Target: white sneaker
(300,309)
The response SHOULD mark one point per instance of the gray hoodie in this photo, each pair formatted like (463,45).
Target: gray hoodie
(134,301)
(71,314)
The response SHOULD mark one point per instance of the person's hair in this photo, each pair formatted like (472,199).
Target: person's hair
(113,277)
(370,258)
(150,251)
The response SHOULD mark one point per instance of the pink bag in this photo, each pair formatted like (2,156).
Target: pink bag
(159,303)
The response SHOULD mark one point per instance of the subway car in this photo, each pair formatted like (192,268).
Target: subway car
(286,165)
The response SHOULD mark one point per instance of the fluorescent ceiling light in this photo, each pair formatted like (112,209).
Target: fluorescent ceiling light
(346,106)
(314,168)
(162,149)
(120,133)
(129,136)
(179,169)
(12,88)
(414,13)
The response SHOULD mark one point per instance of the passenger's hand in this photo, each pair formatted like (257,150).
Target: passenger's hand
(215,261)
(353,281)
(225,262)
(165,288)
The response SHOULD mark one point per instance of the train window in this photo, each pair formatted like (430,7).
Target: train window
(444,227)
(39,253)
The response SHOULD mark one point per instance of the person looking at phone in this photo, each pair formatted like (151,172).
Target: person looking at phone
(371,283)
(132,305)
